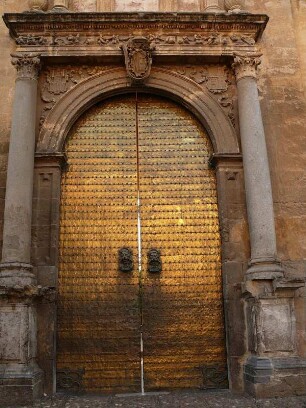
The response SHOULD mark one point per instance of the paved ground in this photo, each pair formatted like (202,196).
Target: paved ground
(174,400)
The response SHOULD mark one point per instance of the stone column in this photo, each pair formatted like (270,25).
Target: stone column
(273,357)
(15,268)
(263,263)
(20,377)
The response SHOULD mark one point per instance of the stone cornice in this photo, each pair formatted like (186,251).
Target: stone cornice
(99,34)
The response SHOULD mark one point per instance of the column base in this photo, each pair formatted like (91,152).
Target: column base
(264,269)
(16,274)
(275,377)
(20,385)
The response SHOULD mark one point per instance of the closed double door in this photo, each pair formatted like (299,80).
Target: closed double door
(140,293)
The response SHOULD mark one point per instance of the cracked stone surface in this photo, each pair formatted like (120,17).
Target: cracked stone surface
(195,399)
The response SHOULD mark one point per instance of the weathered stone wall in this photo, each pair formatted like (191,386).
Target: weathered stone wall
(282,87)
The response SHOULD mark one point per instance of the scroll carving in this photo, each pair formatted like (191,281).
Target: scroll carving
(138,58)
(27,65)
(245,65)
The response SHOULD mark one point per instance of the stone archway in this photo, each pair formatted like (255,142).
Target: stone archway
(71,106)
(254,365)
(185,91)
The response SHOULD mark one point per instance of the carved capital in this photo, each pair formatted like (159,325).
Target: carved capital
(245,65)
(27,65)
(138,58)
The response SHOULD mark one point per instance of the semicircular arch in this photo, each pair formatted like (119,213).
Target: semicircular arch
(114,81)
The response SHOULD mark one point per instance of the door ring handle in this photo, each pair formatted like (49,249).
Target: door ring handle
(154,261)
(125,260)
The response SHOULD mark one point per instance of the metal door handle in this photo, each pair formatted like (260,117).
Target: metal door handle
(125,260)
(154,261)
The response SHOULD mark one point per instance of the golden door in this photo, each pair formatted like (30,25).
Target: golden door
(140,291)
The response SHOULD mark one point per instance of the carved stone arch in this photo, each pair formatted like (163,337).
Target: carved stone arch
(49,167)
(162,81)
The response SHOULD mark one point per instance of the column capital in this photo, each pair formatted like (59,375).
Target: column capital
(245,65)
(27,65)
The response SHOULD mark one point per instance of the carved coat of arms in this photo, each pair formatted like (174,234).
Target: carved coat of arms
(138,58)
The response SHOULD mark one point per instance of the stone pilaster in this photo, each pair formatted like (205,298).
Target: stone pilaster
(270,298)
(20,377)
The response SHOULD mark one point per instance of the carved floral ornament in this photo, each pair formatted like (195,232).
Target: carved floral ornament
(27,65)
(245,65)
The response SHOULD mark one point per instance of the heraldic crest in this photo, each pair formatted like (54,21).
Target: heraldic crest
(138,58)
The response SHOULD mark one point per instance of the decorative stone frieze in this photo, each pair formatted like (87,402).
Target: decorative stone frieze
(199,34)
(27,65)
(245,65)
(31,40)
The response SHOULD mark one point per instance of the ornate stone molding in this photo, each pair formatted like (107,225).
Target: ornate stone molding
(245,65)
(138,58)
(100,34)
(27,65)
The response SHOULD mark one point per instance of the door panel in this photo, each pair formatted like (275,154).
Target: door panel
(183,329)
(145,147)
(98,313)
